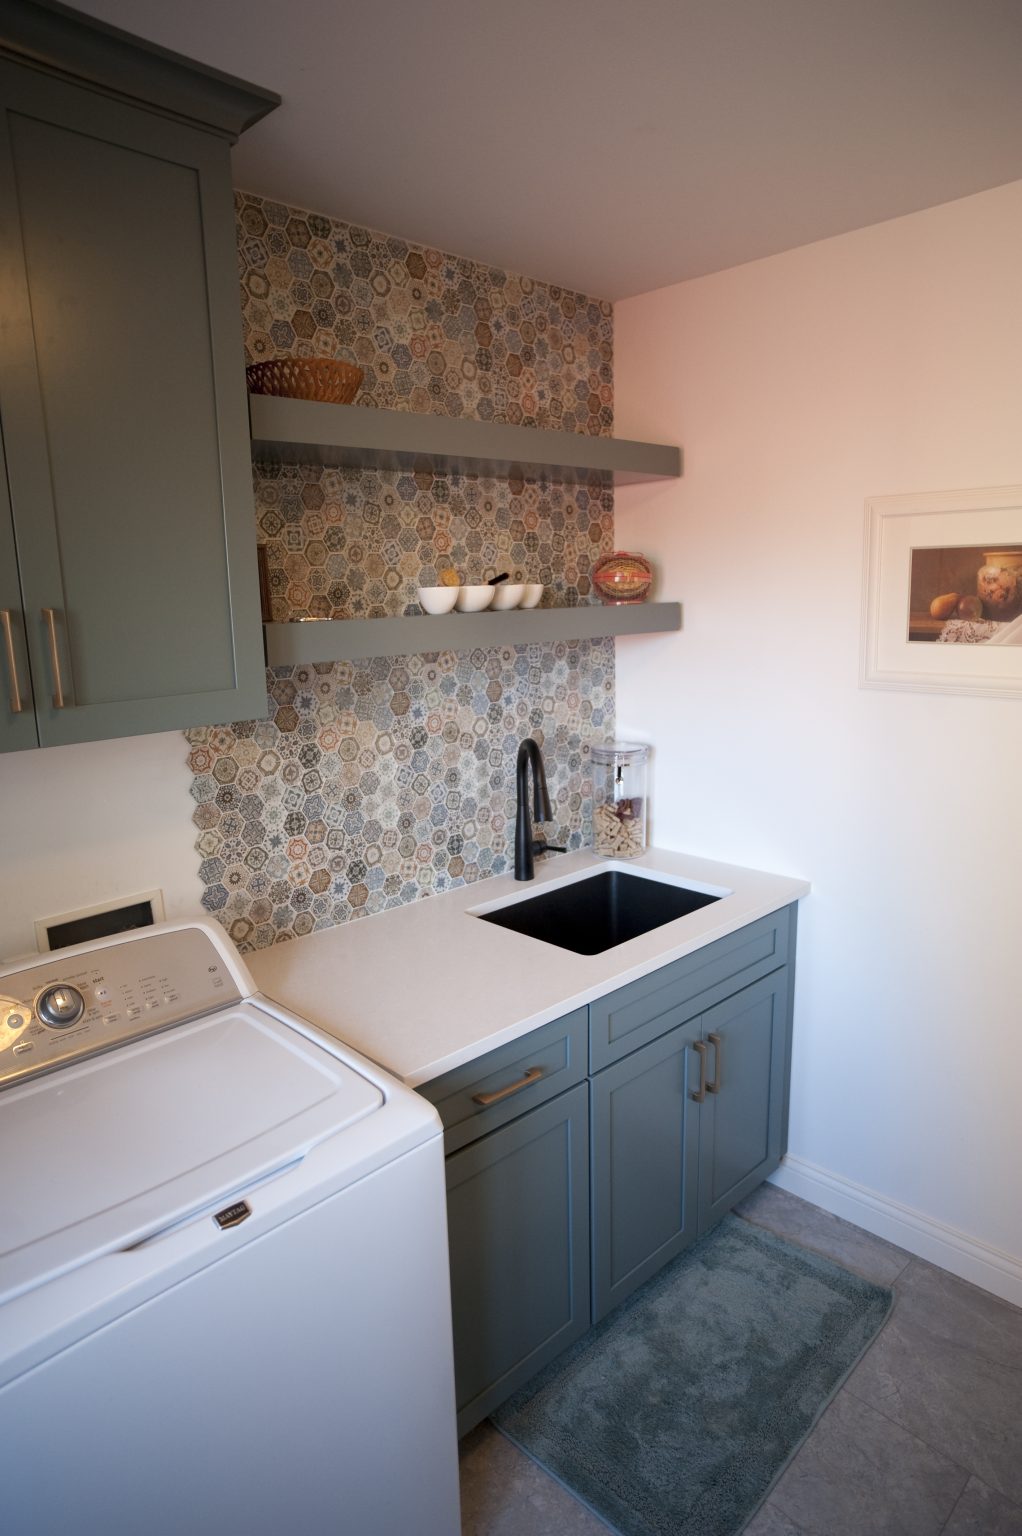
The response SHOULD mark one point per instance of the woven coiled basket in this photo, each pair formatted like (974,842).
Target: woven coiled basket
(306,378)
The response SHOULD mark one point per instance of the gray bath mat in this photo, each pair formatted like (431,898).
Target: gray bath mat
(675,1415)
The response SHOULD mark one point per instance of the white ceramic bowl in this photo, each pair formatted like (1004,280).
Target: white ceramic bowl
(475,599)
(531,595)
(437,599)
(508,594)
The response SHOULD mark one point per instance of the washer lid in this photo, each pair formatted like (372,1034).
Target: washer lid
(98,1156)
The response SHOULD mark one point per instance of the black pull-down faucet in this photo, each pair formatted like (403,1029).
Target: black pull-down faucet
(526,847)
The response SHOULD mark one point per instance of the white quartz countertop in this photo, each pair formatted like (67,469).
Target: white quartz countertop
(425,987)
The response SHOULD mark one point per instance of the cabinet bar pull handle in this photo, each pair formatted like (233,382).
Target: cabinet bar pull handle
(699,1093)
(59,702)
(718,1064)
(12,662)
(532,1075)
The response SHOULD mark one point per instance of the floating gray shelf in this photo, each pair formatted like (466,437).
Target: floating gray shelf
(312,432)
(289,645)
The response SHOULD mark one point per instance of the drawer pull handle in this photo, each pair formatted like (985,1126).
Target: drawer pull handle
(59,702)
(718,1064)
(12,662)
(532,1075)
(699,1093)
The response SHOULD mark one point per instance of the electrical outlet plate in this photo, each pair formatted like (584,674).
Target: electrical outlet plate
(46,927)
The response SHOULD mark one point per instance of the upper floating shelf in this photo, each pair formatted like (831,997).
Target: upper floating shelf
(289,645)
(311,432)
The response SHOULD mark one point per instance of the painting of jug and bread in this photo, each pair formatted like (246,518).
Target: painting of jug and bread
(966,596)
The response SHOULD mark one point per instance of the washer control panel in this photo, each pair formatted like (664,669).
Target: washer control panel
(70,1006)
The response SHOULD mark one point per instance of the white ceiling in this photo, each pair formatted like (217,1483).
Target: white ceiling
(608,147)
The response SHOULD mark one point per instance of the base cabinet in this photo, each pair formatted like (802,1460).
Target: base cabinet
(566,1193)
(645,1163)
(516,1133)
(741,1119)
(518,1231)
(682,1130)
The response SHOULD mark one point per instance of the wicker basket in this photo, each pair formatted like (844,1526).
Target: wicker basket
(306,378)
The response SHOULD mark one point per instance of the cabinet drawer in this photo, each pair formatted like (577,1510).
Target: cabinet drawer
(544,1062)
(645,1009)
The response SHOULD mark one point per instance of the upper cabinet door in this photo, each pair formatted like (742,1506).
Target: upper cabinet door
(122,392)
(17,705)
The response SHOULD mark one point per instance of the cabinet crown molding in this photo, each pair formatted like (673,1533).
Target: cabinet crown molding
(56,38)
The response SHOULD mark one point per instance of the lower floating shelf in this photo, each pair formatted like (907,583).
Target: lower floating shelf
(289,645)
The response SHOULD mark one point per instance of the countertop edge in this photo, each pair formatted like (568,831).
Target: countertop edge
(455,997)
(438,1068)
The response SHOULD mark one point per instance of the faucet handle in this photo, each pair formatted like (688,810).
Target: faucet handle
(541,847)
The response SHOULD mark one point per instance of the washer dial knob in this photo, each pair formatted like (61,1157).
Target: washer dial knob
(60,1006)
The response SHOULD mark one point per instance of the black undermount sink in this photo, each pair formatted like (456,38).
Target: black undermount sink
(598,912)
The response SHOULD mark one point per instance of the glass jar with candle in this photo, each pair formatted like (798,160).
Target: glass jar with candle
(619,799)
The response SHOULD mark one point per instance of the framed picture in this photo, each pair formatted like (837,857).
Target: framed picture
(942,593)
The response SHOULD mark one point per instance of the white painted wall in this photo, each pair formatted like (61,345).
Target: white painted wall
(888,360)
(81,825)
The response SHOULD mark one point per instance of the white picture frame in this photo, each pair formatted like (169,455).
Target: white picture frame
(986,519)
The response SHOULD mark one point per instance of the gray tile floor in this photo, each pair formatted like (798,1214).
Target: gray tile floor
(923,1439)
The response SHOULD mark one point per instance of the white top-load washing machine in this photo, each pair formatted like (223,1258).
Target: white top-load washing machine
(224,1294)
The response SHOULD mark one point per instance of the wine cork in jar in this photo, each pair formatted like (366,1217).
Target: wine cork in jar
(619,799)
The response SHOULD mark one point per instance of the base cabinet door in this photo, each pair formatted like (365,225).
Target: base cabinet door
(645,1163)
(741,1118)
(518,1229)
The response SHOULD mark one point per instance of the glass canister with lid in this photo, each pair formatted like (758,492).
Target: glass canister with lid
(619,799)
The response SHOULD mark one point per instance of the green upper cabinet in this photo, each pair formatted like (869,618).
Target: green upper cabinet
(132,599)
(17,707)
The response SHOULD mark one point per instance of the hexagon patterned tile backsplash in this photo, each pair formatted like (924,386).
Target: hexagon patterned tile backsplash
(377,782)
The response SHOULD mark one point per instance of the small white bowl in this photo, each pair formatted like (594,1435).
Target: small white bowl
(437,599)
(475,599)
(531,595)
(508,594)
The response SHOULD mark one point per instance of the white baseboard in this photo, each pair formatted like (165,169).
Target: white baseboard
(945,1246)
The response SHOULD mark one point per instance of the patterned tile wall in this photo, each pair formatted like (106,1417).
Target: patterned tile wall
(374,783)
(433,332)
(351,544)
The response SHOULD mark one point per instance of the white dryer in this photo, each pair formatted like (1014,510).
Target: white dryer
(224,1294)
